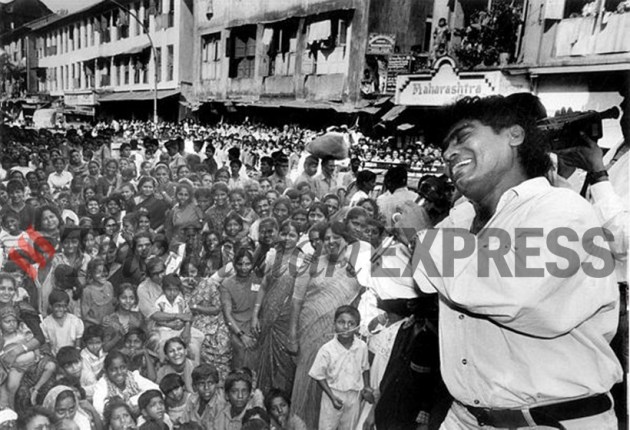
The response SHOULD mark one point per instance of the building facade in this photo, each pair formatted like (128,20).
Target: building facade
(109,58)
(18,59)
(294,54)
(573,54)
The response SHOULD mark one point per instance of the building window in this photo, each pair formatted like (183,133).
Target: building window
(106,35)
(327,40)
(171,14)
(280,46)
(122,24)
(241,49)
(210,58)
(170,57)
(146,15)
(125,70)
(158,64)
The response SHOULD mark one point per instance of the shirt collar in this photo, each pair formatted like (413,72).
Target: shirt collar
(463,213)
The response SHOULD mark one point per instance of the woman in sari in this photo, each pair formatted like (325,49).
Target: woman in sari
(272,314)
(64,403)
(329,281)
(155,208)
(110,181)
(185,214)
(204,299)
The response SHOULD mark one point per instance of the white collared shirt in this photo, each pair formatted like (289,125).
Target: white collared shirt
(507,342)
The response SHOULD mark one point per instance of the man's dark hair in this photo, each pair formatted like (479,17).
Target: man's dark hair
(68,355)
(500,112)
(203,372)
(395,178)
(235,377)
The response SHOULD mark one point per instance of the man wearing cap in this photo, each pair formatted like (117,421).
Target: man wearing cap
(398,193)
(524,327)
(366,181)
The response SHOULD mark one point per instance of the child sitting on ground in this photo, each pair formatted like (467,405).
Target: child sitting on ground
(175,398)
(204,405)
(92,355)
(341,369)
(153,413)
(278,404)
(61,328)
(97,300)
(15,335)
(172,302)
(238,390)
(70,362)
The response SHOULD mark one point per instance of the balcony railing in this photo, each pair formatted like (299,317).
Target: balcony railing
(593,35)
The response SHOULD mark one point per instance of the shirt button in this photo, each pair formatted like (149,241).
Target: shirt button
(464,361)
(461,317)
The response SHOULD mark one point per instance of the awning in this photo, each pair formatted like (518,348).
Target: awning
(550,70)
(134,49)
(136,95)
(393,113)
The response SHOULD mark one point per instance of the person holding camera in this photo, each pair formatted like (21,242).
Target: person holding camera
(524,330)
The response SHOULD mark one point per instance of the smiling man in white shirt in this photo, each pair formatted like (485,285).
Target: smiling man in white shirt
(527,305)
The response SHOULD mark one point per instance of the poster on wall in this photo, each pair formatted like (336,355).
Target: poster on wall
(397,65)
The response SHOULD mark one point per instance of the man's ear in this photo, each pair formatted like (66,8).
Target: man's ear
(516,134)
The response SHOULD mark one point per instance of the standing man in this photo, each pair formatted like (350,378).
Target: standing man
(327,181)
(396,183)
(280,179)
(528,310)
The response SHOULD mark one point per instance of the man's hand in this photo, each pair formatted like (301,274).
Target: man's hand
(412,219)
(588,157)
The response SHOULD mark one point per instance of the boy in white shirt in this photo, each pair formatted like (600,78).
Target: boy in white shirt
(342,370)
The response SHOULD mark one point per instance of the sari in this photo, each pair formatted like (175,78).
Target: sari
(156,209)
(276,367)
(324,286)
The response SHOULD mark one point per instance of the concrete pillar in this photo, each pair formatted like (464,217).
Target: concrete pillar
(298,74)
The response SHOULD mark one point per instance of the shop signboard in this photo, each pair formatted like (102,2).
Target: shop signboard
(396,65)
(381,44)
(445,84)
(85,99)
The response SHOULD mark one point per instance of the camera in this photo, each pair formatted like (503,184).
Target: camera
(563,131)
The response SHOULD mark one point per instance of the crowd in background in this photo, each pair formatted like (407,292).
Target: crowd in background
(190,276)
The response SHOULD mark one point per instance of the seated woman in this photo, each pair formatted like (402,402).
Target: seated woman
(118,381)
(63,402)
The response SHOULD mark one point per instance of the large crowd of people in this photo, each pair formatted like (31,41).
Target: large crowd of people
(221,277)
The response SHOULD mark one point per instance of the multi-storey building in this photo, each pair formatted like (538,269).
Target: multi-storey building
(294,54)
(17,54)
(573,54)
(107,59)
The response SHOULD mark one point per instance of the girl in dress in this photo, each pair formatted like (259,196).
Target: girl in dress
(98,296)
